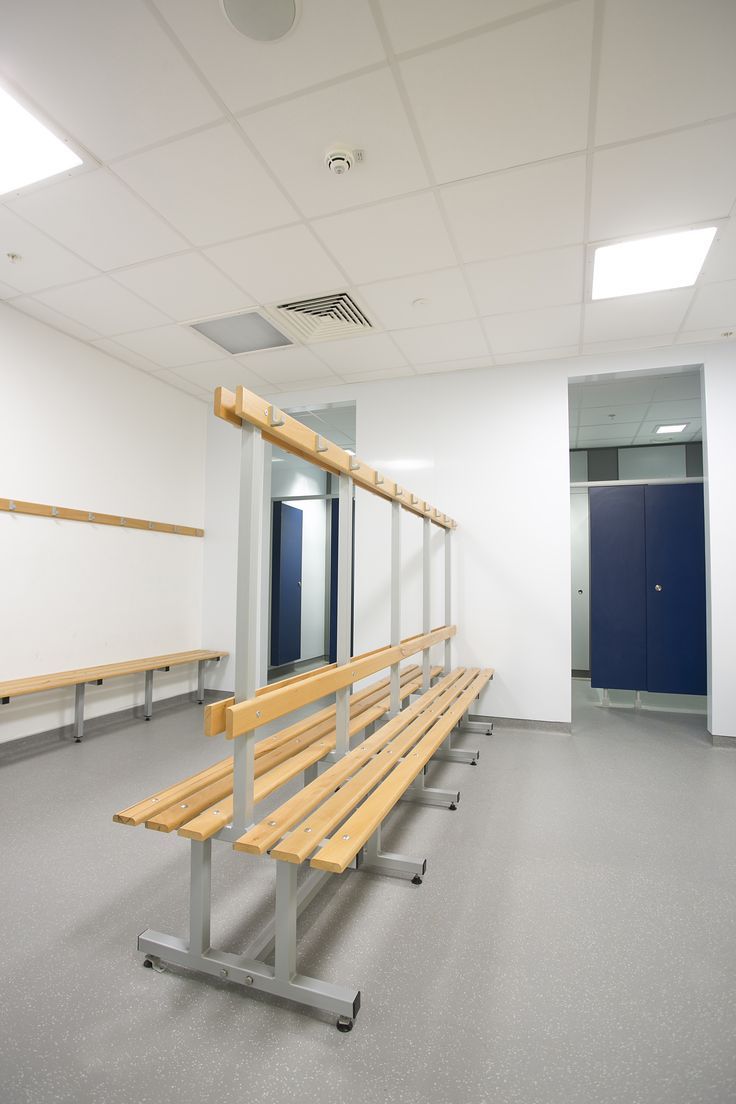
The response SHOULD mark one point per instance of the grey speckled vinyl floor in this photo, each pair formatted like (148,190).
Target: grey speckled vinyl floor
(574,941)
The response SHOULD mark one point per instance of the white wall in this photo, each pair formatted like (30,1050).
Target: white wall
(81,429)
(719,455)
(490,447)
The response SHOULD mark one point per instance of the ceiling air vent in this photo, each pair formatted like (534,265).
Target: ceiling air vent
(325,317)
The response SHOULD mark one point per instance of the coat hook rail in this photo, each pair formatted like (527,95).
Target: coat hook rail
(65,513)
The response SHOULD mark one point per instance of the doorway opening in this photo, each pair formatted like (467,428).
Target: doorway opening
(304,517)
(638,541)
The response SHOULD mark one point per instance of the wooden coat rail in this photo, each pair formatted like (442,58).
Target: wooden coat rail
(279,428)
(40,509)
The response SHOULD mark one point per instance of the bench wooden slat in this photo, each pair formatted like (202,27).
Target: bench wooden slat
(247,715)
(136,814)
(141,811)
(209,822)
(342,848)
(36,683)
(262,836)
(305,839)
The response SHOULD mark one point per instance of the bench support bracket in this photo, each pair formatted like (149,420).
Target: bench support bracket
(372,860)
(449,754)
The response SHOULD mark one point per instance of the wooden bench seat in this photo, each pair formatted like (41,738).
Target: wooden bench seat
(80,677)
(398,752)
(206,797)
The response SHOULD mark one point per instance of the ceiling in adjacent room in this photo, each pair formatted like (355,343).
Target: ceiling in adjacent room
(501,139)
(613,412)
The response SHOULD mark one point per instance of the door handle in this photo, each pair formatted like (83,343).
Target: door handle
(300,583)
(657,586)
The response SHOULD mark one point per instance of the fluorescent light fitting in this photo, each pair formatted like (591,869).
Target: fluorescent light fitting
(650,264)
(30,151)
(671,428)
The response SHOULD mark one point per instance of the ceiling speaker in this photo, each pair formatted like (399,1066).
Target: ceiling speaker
(262,20)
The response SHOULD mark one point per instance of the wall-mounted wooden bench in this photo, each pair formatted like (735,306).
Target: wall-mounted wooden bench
(84,676)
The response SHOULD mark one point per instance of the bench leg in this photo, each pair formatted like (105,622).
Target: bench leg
(200,895)
(200,681)
(148,710)
(78,712)
(376,861)
(449,754)
(427,795)
(310,774)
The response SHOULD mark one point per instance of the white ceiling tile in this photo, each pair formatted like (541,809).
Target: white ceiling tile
(632,316)
(424,300)
(533,356)
(175,380)
(620,392)
(290,364)
(664,183)
(550,328)
(675,410)
(368,353)
(694,337)
(412,24)
(112,348)
(679,385)
(450,341)
(43,264)
(664,64)
(171,346)
(601,415)
(303,385)
(331,39)
(283,264)
(714,305)
(230,373)
(102,305)
(720,264)
(388,239)
(455,365)
(621,345)
(7,292)
(208,185)
(382,374)
(528,282)
(611,434)
(521,211)
(363,113)
(97,216)
(480,108)
(106,69)
(53,318)
(185,287)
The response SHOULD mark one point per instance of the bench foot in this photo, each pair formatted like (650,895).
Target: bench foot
(416,880)
(344,1024)
(251,974)
(427,795)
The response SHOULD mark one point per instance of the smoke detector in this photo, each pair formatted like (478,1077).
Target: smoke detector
(339,161)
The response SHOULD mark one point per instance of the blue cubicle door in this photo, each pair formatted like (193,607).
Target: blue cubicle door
(286,584)
(618,621)
(676,633)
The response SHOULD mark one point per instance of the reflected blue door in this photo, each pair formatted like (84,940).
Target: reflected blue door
(286,584)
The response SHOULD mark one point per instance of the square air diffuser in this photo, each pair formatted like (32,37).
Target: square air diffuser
(242,333)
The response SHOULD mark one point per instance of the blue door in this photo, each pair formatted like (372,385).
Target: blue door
(676,634)
(618,612)
(647,588)
(286,584)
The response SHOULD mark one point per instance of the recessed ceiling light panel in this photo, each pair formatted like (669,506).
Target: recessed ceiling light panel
(30,151)
(650,264)
(679,428)
(262,20)
(242,333)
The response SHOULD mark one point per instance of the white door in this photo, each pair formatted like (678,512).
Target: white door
(580,546)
